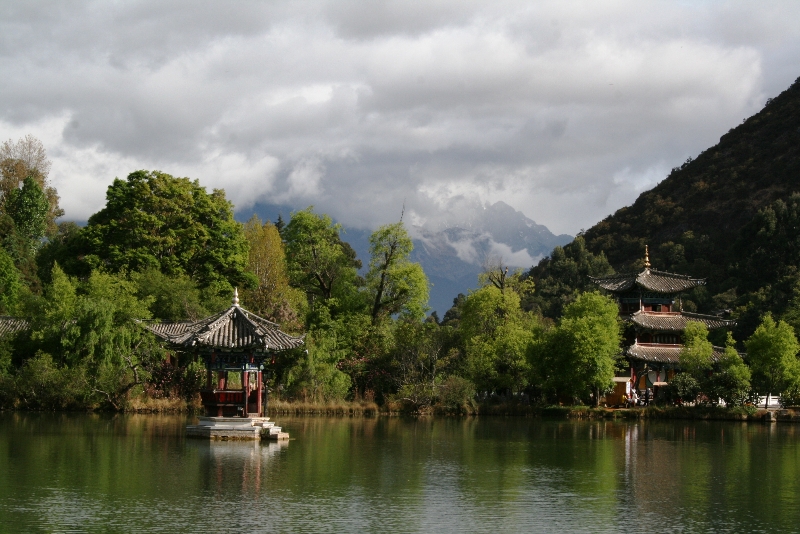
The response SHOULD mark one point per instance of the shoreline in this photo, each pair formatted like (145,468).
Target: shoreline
(371,409)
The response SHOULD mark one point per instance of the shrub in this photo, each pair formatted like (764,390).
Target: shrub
(455,392)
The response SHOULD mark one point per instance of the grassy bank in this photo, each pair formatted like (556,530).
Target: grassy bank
(281,407)
(589,412)
(163,405)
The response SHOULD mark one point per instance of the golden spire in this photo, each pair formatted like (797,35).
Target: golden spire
(646,257)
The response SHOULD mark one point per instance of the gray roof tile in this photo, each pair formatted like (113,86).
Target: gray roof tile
(652,352)
(234,329)
(650,280)
(676,321)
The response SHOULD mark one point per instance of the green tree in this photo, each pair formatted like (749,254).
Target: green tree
(23,159)
(420,360)
(561,277)
(28,208)
(731,379)
(273,298)
(695,356)
(395,284)
(772,353)
(93,329)
(495,334)
(578,357)
(155,221)
(66,248)
(496,274)
(175,298)
(319,262)
(10,284)
(315,376)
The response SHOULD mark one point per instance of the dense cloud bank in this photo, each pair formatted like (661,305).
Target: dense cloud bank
(565,111)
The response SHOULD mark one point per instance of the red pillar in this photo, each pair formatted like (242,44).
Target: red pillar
(246,392)
(259,391)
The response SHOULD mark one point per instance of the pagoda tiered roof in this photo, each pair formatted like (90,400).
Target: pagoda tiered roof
(660,353)
(676,321)
(649,280)
(233,330)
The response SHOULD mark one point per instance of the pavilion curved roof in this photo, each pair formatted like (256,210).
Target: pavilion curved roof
(650,280)
(676,322)
(659,353)
(233,330)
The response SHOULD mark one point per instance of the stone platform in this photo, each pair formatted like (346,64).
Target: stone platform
(236,428)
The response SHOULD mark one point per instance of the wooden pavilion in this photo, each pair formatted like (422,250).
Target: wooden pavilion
(234,340)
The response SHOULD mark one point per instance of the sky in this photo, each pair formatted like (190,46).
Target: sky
(564,110)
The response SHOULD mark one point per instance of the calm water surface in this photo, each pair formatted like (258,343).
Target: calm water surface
(64,473)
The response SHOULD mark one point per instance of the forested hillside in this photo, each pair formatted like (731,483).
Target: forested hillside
(728,215)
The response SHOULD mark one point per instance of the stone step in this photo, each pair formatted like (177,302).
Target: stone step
(280,436)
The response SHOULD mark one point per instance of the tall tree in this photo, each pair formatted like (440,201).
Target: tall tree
(9,283)
(94,327)
(731,379)
(155,221)
(695,356)
(273,298)
(23,159)
(28,208)
(496,334)
(577,358)
(320,263)
(772,352)
(395,284)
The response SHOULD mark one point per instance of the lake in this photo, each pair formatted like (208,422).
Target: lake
(102,473)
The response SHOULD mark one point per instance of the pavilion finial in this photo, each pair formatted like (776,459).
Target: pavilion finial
(235,296)
(646,257)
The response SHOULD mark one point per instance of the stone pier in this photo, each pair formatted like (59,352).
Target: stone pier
(236,428)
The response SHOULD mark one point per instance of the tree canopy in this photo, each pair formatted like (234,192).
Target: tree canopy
(27,158)
(273,297)
(320,263)
(772,353)
(578,357)
(155,221)
(395,284)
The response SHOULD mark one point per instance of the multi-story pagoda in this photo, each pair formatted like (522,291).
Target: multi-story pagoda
(650,302)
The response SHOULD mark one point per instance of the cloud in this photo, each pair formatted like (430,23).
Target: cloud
(512,258)
(565,111)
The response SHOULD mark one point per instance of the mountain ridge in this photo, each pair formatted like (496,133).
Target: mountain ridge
(730,215)
(453,255)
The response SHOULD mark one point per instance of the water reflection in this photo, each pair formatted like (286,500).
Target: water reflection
(129,473)
(242,466)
